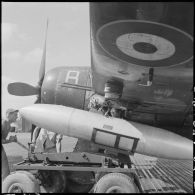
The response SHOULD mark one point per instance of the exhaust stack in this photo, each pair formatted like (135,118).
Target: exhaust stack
(110,132)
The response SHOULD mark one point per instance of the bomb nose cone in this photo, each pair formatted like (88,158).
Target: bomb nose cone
(32,114)
(25,111)
(47,116)
(31,111)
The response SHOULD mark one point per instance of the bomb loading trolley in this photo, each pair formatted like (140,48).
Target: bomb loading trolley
(74,172)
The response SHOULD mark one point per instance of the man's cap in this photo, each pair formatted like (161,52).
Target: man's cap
(11,110)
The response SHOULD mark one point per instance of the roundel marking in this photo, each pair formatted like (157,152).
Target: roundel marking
(155,47)
(144,47)
(145,43)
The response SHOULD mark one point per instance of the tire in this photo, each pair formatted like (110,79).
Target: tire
(32,177)
(115,183)
(19,182)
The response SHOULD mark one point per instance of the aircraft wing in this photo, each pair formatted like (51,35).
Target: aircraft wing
(147,46)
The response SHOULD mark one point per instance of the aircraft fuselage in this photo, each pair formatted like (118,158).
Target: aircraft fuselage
(54,92)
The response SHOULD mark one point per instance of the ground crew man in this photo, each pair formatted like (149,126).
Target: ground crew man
(11,116)
(46,141)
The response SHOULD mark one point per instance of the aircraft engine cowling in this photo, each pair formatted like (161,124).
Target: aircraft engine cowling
(53,90)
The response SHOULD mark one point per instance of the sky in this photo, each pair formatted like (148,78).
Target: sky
(23,32)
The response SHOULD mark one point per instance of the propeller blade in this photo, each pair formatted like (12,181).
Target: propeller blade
(22,89)
(43,60)
(38,100)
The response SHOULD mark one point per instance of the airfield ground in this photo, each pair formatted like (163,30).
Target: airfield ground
(155,175)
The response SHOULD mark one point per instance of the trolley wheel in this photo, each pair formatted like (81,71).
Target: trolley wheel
(19,182)
(31,176)
(115,183)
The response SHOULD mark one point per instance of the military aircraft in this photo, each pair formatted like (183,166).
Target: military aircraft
(141,69)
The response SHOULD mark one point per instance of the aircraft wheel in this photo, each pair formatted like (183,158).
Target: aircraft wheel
(115,183)
(19,182)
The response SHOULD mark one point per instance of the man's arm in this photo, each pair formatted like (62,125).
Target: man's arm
(5,141)
(59,137)
(35,134)
(11,139)
(5,129)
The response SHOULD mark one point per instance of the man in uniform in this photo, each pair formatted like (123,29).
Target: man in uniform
(11,116)
(46,141)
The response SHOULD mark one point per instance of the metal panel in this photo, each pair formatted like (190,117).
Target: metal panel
(102,138)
